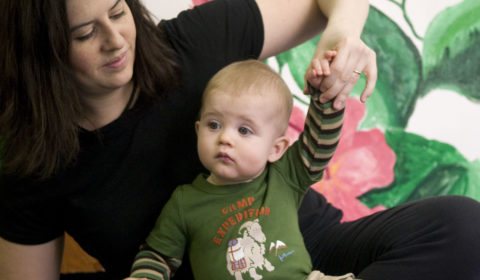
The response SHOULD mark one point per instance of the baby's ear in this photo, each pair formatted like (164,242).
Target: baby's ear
(278,149)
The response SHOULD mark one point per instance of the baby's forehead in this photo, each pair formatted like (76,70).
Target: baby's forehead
(241,104)
(244,95)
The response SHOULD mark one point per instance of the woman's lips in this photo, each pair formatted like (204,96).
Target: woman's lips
(118,62)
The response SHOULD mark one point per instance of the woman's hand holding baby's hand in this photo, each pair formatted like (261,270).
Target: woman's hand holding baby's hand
(351,58)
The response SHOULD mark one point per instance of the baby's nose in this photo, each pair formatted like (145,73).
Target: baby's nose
(225,138)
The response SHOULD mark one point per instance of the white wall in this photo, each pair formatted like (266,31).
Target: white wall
(164,9)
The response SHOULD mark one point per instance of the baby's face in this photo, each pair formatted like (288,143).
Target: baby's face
(236,135)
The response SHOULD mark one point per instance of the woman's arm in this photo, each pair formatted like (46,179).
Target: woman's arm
(288,23)
(32,262)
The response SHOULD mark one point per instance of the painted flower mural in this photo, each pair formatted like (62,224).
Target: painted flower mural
(379,162)
(199,2)
(295,124)
(363,161)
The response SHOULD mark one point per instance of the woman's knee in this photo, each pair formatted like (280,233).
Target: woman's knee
(457,215)
(456,209)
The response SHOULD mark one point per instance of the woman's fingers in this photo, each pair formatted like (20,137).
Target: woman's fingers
(319,68)
(340,91)
(370,72)
(353,57)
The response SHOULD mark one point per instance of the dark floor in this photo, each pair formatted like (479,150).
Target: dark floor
(84,276)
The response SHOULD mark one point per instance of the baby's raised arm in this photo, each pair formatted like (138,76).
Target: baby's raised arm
(320,135)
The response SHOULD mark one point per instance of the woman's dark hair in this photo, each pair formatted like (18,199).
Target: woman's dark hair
(155,69)
(39,101)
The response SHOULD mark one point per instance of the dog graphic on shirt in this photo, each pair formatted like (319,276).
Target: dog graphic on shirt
(246,253)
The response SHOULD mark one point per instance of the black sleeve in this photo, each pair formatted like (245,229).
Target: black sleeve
(217,33)
(29,212)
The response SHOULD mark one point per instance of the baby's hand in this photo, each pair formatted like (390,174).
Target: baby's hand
(319,68)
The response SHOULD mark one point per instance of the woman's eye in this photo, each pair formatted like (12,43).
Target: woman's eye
(118,15)
(244,130)
(213,125)
(87,36)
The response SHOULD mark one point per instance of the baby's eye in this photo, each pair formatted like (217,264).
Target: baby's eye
(213,125)
(244,131)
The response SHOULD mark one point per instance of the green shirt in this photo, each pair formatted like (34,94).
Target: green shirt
(231,229)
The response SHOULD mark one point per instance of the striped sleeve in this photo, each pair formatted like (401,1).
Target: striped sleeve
(150,264)
(321,134)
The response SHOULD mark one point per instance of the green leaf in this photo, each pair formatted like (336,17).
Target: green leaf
(298,59)
(399,73)
(451,50)
(448,179)
(398,65)
(425,168)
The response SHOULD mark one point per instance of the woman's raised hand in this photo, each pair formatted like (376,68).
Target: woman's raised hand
(353,58)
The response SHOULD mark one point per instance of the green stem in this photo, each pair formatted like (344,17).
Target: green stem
(300,100)
(407,19)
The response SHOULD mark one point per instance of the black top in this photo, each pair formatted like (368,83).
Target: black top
(109,200)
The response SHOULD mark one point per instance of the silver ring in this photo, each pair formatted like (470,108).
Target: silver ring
(357,72)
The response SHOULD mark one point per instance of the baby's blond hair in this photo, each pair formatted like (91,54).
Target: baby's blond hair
(253,77)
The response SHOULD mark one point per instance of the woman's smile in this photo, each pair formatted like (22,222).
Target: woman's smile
(118,62)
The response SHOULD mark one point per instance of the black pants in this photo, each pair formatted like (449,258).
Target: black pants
(436,238)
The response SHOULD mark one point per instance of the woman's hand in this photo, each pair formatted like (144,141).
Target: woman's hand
(353,58)
(288,23)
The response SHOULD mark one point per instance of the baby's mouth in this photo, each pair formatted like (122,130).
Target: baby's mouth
(224,157)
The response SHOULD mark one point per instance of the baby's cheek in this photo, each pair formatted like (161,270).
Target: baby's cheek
(255,161)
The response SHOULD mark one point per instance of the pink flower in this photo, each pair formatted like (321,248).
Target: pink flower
(295,124)
(199,2)
(363,161)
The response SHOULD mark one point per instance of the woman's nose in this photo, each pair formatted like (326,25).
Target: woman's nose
(113,38)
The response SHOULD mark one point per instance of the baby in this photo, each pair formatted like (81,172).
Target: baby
(240,220)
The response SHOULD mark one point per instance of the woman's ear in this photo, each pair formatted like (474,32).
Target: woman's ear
(197,124)
(278,149)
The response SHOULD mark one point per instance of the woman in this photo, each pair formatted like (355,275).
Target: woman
(97,107)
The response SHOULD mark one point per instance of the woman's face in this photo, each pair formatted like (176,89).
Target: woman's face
(102,50)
